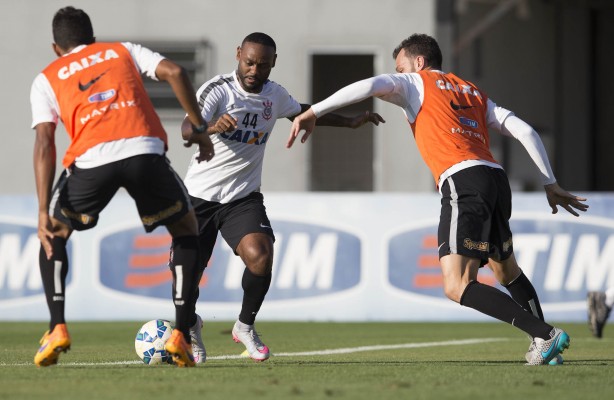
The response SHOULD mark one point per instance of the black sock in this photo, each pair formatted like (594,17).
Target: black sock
(255,288)
(495,303)
(192,308)
(52,269)
(184,267)
(523,292)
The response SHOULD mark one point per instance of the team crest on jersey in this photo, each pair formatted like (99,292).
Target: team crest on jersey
(267,113)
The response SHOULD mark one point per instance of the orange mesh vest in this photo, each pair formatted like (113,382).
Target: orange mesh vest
(451,125)
(101,98)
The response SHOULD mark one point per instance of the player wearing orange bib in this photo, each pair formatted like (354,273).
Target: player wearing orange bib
(450,118)
(116,140)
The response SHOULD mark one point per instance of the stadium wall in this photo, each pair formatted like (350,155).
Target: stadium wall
(338,257)
(300,29)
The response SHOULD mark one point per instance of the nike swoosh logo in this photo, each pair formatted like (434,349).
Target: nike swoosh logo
(457,107)
(440,246)
(264,226)
(83,87)
(551,349)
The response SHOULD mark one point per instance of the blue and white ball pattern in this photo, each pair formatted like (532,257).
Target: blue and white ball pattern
(150,340)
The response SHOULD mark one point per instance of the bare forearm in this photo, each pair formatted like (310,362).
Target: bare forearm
(179,81)
(330,119)
(44,171)
(185,95)
(333,119)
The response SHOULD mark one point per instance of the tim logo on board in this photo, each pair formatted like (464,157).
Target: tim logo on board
(310,260)
(19,270)
(563,258)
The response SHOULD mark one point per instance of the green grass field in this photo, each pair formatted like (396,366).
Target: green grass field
(431,361)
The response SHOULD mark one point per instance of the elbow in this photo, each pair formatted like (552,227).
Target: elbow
(518,129)
(528,133)
(171,72)
(176,71)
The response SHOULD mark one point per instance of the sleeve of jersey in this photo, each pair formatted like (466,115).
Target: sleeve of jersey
(43,102)
(146,60)
(377,86)
(289,107)
(211,100)
(526,135)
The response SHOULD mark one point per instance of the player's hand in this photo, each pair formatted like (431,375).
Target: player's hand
(364,118)
(205,147)
(45,233)
(303,122)
(559,197)
(202,139)
(226,123)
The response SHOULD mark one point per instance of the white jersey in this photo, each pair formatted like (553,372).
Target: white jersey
(236,169)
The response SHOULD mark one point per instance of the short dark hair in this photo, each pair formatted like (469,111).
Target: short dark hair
(260,38)
(72,27)
(423,45)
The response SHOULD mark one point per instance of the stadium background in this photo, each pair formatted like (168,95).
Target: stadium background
(542,59)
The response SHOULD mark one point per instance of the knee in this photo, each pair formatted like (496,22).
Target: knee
(506,274)
(453,290)
(185,226)
(258,259)
(60,229)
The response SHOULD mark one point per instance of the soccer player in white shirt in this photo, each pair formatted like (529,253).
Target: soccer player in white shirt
(243,107)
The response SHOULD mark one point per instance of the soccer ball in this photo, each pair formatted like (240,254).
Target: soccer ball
(150,340)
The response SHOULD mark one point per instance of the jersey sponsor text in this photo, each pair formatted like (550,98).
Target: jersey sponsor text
(247,137)
(86,62)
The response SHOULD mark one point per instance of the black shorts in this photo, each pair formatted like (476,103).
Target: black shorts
(81,194)
(476,206)
(233,220)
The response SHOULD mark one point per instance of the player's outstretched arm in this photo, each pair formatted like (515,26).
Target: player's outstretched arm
(340,121)
(517,128)
(337,120)
(353,93)
(559,197)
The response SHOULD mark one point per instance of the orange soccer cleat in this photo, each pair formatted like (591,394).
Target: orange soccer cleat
(179,349)
(52,344)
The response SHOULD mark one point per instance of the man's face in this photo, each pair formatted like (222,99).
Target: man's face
(255,64)
(406,64)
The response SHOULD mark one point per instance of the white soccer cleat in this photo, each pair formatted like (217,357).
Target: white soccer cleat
(558,360)
(529,354)
(543,351)
(247,335)
(198,347)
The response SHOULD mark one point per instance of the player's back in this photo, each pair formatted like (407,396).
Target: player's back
(101,97)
